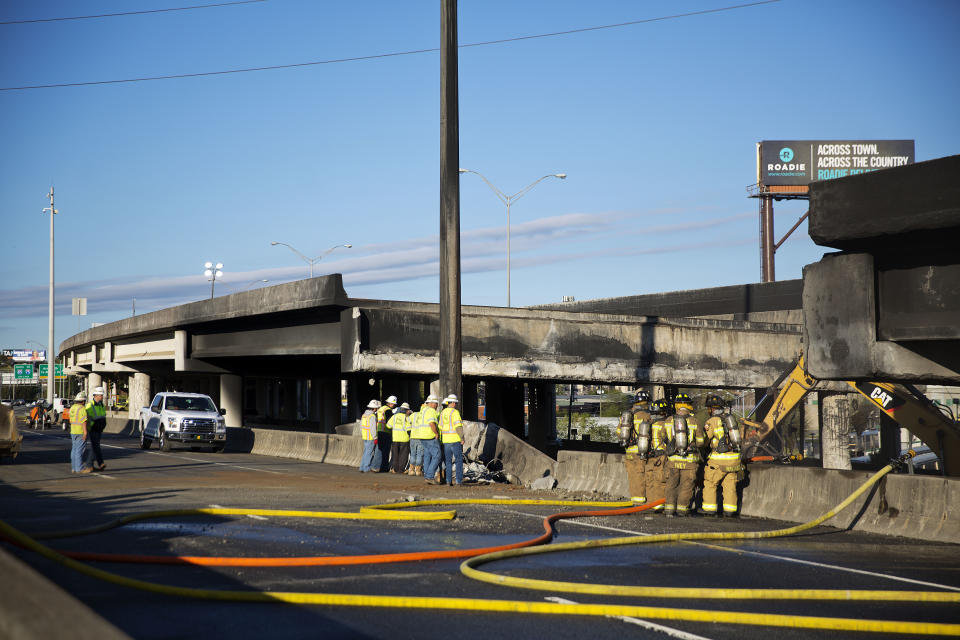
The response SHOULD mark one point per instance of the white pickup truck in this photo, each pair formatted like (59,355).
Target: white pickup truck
(187,418)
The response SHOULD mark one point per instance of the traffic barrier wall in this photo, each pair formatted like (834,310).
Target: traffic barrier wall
(330,448)
(590,471)
(496,447)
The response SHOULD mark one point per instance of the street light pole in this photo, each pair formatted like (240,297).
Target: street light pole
(213,272)
(311,261)
(50,346)
(508,200)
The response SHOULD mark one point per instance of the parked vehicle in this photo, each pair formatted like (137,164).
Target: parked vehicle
(188,418)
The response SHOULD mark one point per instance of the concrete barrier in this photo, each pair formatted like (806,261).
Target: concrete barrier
(487,442)
(330,448)
(588,471)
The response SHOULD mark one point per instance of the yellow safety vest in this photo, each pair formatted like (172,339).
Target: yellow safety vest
(78,419)
(449,421)
(715,432)
(421,429)
(398,425)
(381,417)
(368,426)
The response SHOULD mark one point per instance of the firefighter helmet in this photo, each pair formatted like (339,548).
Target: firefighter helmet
(714,400)
(641,397)
(661,407)
(682,401)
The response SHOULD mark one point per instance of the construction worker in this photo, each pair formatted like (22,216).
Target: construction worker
(96,423)
(638,446)
(415,425)
(724,467)
(78,435)
(400,438)
(429,433)
(656,462)
(368,432)
(451,435)
(383,431)
(682,438)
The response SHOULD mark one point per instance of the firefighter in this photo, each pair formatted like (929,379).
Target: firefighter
(724,467)
(682,438)
(384,439)
(656,462)
(637,420)
(400,436)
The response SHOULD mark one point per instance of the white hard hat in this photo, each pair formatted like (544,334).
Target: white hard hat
(80,397)
(450,398)
(405,406)
(373,404)
(98,391)
(432,398)
(392,400)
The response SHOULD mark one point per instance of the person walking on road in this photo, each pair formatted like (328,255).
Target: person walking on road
(724,467)
(368,432)
(451,434)
(96,423)
(78,436)
(383,431)
(400,437)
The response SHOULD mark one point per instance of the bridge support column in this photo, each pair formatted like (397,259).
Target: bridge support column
(505,405)
(139,394)
(231,399)
(835,431)
(325,403)
(94,380)
(543,413)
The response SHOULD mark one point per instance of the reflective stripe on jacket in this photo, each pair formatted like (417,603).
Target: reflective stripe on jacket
(398,425)
(78,419)
(368,426)
(427,415)
(715,433)
(382,417)
(449,423)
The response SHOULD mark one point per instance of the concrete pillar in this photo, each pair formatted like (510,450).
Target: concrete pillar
(325,403)
(139,395)
(231,399)
(659,392)
(469,401)
(434,387)
(94,380)
(543,402)
(835,433)
(505,405)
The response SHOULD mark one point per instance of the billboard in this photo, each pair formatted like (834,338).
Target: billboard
(26,355)
(800,162)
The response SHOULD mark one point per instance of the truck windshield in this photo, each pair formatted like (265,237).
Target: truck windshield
(186,403)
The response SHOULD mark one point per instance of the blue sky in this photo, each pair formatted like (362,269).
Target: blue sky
(654,123)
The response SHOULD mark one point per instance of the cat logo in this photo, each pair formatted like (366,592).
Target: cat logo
(881,397)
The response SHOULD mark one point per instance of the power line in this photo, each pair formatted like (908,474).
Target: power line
(131,13)
(386,55)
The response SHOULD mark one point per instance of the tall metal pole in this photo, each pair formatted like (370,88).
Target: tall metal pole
(451,364)
(767,269)
(508,253)
(51,351)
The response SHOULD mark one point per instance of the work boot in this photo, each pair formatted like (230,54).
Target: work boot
(393,470)
(420,470)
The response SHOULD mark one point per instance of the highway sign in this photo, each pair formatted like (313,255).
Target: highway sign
(23,371)
(57,371)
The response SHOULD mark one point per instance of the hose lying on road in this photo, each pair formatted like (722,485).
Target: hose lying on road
(519,606)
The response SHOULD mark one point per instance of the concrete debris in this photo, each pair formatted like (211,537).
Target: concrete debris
(479,473)
(544,484)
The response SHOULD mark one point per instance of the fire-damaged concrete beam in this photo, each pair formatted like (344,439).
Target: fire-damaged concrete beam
(552,345)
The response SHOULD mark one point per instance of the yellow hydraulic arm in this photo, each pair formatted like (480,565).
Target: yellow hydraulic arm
(904,404)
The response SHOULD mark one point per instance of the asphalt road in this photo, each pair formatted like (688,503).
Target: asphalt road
(38,493)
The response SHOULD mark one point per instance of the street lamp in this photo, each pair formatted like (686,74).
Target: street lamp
(508,200)
(311,261)
(50,345)
(212,272)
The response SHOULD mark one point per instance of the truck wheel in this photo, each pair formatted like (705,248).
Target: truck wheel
(163,442)
(145,442)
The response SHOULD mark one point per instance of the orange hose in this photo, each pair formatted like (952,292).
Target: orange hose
(321,561)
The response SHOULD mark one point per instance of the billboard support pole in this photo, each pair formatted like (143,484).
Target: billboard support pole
(767,249)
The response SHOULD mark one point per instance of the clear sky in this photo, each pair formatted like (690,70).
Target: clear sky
(655,124)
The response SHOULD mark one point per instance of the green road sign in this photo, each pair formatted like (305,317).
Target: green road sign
(23,372)
(57,371)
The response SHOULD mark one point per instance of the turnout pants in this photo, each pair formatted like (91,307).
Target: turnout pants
(636,477)
(724,476)
(679,490)
(656,478)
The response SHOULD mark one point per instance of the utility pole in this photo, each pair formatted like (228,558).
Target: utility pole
(51,356)
(451,363)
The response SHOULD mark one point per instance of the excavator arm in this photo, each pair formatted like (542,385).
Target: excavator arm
(905,405)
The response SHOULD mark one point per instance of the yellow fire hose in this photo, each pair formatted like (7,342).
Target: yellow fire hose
(519,606)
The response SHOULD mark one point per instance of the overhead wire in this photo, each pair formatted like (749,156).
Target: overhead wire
(130,13)
(388,55)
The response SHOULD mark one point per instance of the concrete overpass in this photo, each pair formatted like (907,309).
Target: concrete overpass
(279,354)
